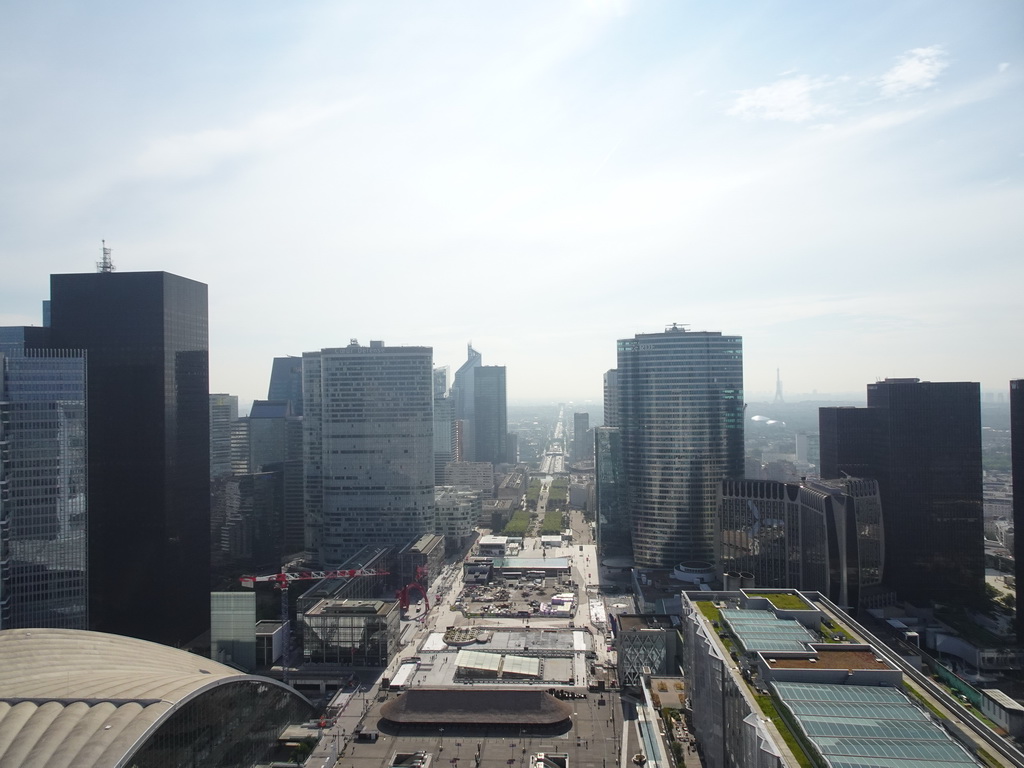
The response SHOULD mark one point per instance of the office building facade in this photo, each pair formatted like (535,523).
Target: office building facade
(445,434)
(1017,468)
(145,335)
(681,420)
(817,535)
(922,442)
(286,382)
(490,414)
(368,447)
(611,398)
(43,489)
(223,414)
(614,528)
(582,444)
(462,394)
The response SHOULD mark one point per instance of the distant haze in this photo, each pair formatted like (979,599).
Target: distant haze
(839,183)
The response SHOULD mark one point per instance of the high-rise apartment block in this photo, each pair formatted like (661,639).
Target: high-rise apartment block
(368,447)
(43,485)
(146,342)
(680,413)
(922,441)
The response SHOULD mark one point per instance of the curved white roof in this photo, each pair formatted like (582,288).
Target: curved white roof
(71,698)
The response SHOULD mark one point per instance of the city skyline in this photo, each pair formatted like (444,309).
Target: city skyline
(856,166)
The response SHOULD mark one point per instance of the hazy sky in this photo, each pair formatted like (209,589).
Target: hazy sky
(838,182)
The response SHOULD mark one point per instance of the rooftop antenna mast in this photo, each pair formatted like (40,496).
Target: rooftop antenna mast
(105,265)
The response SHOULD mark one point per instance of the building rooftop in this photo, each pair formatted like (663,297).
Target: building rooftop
(351,607)
(633,622)
(764,631)
(877,726)
(837,658)
(80,699)
(476,707)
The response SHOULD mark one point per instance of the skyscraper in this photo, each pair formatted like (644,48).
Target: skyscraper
(611,398)
(582,447)
(368,446)
(146,342)
(614,532)
(681,421)
(465,403)
(490,414)
(922,441)
(1017,466)
(223,413)
(445,435)
(286,382)
(43,500)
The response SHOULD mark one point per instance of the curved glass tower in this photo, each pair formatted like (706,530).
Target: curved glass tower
(681,418)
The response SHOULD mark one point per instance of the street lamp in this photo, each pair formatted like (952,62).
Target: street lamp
(440,739)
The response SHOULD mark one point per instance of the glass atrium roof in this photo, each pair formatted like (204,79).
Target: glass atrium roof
(763,631)
(858,726)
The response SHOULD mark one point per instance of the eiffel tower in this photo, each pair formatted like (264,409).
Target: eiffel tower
(778,389)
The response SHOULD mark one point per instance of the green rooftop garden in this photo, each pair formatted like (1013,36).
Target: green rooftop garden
(783,601)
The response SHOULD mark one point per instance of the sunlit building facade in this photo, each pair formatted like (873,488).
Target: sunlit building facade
(681,417)
(368,447)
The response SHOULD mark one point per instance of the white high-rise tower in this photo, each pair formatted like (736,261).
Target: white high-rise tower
(368,447)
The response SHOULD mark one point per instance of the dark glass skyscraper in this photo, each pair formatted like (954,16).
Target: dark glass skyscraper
(922,441)
(680,415)
(146,340)
(43,500)
(614,533)
(1017,465)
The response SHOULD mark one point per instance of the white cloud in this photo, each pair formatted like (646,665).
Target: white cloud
(916,70)
(189,154)
(790,100)
(1004,66)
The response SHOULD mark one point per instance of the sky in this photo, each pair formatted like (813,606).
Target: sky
(839,183)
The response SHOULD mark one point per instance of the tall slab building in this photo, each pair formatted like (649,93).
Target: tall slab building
(490,414)
(43,486)
(1017,466)
(680,414)
(462,394)
(145,335)
(922,441)
(368,447)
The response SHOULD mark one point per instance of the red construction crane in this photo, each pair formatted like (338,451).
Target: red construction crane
(290,576)
(282,580)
